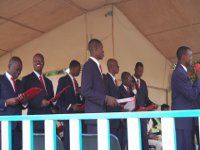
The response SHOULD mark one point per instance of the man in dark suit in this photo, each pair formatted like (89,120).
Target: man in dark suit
(125,90)
(11,98)
(142,100)
(112,90)
(184,93)
(69,101)
(40,104)
(92,85)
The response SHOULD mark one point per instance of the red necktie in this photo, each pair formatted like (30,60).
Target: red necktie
(42,83)
(76,86)
(14,84)
(137,84)
(128,91)
(116,83)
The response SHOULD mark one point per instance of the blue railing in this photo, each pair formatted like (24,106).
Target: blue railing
(133,128)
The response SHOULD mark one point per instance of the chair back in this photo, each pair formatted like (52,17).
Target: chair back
(90,142)
(39,142)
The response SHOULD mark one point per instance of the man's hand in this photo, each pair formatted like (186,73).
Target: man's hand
(111,101)
(45,103)
(22,98)
(12,101)
(77,108)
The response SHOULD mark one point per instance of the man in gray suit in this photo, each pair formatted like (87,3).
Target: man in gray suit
(92,85)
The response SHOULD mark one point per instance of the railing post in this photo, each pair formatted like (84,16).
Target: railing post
(103,131)
(199,127)
(6,135)
(75,134)
(134,134)
(50,135)
(168,133)
(27,135)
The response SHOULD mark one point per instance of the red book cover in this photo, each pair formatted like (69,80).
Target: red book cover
(53,99)
(32,92)
(148,108)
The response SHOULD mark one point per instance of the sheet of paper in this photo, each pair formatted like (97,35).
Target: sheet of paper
(126,100)
(130,106)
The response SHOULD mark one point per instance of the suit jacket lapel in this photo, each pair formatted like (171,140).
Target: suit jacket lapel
(36,80)
(71,83)
(97,68)
(8,84)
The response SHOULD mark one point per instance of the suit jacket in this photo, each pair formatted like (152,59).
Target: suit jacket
(34,105)
(112,90)
(142,99)
(6,92)
(67,98)
(123,93)
(183,95)
(93,89)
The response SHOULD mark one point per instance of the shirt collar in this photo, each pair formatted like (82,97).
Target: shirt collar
(8,76)
(113,77)
(126,88)
(136,78)
(37,74)
(184,67)
(71,77)
(95,60)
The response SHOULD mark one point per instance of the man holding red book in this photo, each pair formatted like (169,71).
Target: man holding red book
(11,99)
(39,104)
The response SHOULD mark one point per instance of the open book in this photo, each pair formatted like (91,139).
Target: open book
(32,92)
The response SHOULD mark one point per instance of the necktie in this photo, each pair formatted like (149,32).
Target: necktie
(138,84)
(76,86)
(116,83)
(42,83)
(14,84)
(128,91)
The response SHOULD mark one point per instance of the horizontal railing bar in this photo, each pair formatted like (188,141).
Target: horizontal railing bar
(88,116)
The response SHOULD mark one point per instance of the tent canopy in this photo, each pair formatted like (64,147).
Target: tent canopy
(166,24)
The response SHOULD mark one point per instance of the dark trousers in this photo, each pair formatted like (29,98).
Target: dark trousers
(118,132)
(145,143)
(66,135)
(185,139)
(91,129)
(16,138)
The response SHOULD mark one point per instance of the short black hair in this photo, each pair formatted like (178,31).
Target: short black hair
(124,75)
(164,106)
(15,59)
(138,64)
(38,54)
(74,63)
(94,44)
(110,62)
(181,51)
